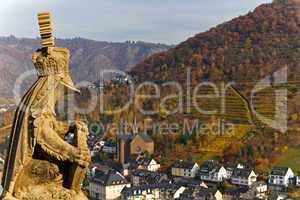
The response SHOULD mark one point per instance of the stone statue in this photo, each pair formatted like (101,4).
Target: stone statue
(40,164)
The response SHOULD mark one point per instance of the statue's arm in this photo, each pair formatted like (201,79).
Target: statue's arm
(61,128)
(54,145)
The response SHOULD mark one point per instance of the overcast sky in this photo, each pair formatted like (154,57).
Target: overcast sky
(164,21)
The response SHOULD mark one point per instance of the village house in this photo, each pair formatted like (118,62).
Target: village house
(109,147)
(212,171)
(164,191)
(145,192)
(143,177)
(257,190)
(185,169)
(298,180)
(260,188)
(106,185)
(188,182)
(148,164)
(280,177)
(169,191)
(98,146)
(204,194)
(243,177)
(230,169)
(106,165)
(142,162)
(201,193)
(234,193)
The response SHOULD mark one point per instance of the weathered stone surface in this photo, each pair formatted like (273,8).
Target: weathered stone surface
(40,164)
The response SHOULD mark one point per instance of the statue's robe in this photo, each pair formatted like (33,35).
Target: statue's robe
(23,135)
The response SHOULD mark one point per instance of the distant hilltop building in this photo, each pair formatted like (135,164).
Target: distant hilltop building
(133,144)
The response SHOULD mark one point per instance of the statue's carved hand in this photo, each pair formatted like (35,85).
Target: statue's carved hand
(83,158)
(80,157)
(82,154)
(81,127)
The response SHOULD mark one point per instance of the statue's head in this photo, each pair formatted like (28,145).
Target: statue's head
(52,66)
(54,62)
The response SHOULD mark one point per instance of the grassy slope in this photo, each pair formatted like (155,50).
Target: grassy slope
(290,158)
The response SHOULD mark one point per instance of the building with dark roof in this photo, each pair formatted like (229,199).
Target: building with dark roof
(201,193)
(230,167)
(164,191)
(144,177)
(243,177)
(280,177)
(140,192)
(257,190)
(213,171)
(185,169)
(106,185)
(147,163)
(234,193)
(107,164)
(188,182)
